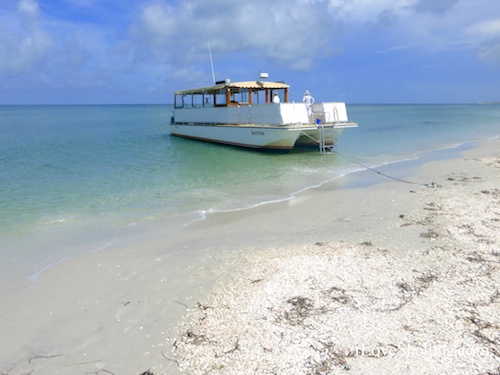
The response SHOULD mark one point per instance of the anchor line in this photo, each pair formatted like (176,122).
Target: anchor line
(382,174)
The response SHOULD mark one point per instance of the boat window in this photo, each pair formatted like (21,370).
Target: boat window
(244,96)
(208,100)
(178,101)
(198,100)
(193,100)
(259,97)
(220,97)
(239,96)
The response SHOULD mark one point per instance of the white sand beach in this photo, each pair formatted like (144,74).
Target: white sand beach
(390,278)
(414,290)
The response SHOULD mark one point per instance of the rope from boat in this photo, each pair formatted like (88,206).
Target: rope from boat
(432,184)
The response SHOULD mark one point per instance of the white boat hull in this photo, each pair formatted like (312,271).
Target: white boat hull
(276,138)
(260,137)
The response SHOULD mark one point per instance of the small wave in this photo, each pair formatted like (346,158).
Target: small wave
(290,196)
(34,277)
(201,215)
(106,245)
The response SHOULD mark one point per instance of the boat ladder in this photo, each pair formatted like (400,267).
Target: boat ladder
(327,138)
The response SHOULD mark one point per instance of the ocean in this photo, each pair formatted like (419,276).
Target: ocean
(72,178)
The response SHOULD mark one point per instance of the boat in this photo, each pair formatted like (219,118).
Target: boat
(244,114)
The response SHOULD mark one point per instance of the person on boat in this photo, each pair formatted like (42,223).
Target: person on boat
(276,98)
(309,100)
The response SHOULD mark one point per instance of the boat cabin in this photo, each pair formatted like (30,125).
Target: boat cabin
(225,93)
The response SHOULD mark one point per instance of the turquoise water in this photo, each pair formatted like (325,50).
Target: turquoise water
(72,176)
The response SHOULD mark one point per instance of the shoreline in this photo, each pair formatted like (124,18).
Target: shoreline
(119,310)
(396,169)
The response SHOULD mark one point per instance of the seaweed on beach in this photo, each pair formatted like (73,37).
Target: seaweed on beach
(486,333)
(431,234)
(330,358)
(339,295)
(417,286)
(193,338)
(410,290)
(298,310)
(301,308)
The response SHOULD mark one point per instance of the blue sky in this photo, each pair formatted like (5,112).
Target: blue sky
(357,51)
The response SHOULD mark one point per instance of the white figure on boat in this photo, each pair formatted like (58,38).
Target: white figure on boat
(309,100)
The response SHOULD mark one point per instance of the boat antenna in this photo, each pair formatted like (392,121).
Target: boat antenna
(211,62)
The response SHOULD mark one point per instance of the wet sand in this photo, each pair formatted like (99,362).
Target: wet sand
(389,278)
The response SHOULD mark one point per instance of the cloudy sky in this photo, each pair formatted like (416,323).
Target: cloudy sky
(357,51)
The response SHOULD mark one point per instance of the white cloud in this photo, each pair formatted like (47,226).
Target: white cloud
(159,23)
(293,33)
(424,25)
(278,30)
(490,50)
(489,32)
(484,29)
(433,6)
(297,32)
(28,7)
(24,41)
(365,12)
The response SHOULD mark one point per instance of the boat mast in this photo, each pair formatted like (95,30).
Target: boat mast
(211,62)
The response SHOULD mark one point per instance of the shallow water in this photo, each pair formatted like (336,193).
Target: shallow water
(74,177)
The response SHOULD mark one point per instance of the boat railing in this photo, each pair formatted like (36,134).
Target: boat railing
(324,117)
(335,114)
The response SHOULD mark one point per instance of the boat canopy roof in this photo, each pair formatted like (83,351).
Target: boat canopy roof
(235,86)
